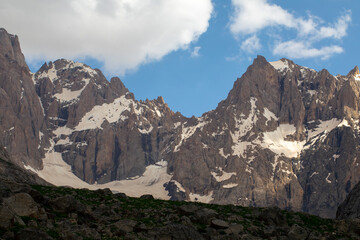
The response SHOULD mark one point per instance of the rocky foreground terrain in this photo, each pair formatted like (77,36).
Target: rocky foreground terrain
(32,211)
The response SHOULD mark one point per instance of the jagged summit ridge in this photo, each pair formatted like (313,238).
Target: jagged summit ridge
(285,135)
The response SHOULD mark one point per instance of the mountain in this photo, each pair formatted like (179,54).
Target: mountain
(285,136)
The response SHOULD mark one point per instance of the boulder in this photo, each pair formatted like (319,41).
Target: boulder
(22,204)
(297,233)
(219,224)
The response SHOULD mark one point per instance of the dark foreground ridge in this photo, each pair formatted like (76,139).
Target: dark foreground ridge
(32,211)
(47,212)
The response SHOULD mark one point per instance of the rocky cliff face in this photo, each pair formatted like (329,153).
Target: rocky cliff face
(21,117)
(286,135)
(350,208)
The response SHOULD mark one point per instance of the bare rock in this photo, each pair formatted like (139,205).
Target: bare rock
(350,208)
(66,204)
(6,217)
(32,234)
(147,196)
(205,215)
(219,224)
(23,205)
(297,233)
(188,209)
(122,227)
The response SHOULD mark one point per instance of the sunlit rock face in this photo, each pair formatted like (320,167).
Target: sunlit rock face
(285,136)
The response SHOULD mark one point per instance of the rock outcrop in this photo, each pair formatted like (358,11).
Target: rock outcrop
(45,212)
(350,208)
(21,116)
(285,136)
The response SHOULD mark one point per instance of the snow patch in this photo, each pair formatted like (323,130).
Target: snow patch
(187,132)
(201,198)
(269,115)
(59,173)
(65,141)
(223,176)
(146,131)
(112,112)
(280,65)
(321,131)
(327,178)
(151,182)
(82,67)
(357,77)
(243,126)
(277,143)
(40,135)
(180,188)
(67,95)
(239,148)
(221,152)
(50,73)
(230,185)
(42,108)
(344,123)
(311,92)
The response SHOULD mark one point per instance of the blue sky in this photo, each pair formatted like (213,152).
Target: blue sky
(190,52)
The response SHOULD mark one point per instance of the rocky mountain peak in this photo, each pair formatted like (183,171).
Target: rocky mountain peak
(118,86)
(10,48)
(354,73)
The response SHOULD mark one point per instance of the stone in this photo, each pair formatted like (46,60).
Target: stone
(219,224)
(122,227)
(188,209)
(121,195)
(22,204)
(104,191)
(297,233)
(66,204)
(273,216)
(205,215)
(147,196)
(235,229)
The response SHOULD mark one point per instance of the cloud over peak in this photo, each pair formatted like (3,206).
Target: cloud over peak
(252,17)
(123,34)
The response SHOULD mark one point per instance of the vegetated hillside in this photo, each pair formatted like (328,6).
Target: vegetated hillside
(285,136)
(45,212)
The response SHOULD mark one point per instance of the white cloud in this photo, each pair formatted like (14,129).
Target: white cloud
(251,44)
(300,49)
(195,52)
(121,33)
(251,17)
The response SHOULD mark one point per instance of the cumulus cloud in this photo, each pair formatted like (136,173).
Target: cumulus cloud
(251,17)
(300,49)
(120,33)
